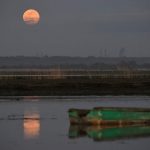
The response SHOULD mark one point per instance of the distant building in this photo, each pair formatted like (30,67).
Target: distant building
(122,52)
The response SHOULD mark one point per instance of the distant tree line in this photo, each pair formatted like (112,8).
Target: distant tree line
(64,62)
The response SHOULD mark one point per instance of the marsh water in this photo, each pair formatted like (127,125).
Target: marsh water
(42,123)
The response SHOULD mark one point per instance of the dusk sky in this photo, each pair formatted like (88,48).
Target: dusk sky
(75,27)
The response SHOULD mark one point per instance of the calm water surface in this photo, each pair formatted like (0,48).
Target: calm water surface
(36,124)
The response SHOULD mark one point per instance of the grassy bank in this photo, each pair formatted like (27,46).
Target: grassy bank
(75,86)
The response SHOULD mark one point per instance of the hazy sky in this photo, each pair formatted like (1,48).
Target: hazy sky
(76,27)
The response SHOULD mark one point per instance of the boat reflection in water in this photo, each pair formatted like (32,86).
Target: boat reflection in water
(31,125)
(98,133)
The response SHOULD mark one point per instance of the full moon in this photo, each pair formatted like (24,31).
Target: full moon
(31,17)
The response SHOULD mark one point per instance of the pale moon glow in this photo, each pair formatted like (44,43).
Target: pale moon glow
(31,125)
(31,17)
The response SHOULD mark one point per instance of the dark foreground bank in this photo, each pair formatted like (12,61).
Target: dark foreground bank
(75,86)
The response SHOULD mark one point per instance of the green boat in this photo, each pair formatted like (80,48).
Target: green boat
(105,133)
(109,116)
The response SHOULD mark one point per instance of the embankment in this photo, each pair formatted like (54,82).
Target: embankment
(75,85)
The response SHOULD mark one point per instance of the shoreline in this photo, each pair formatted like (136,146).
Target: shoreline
(70,98)
(105,83)
(74,87)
